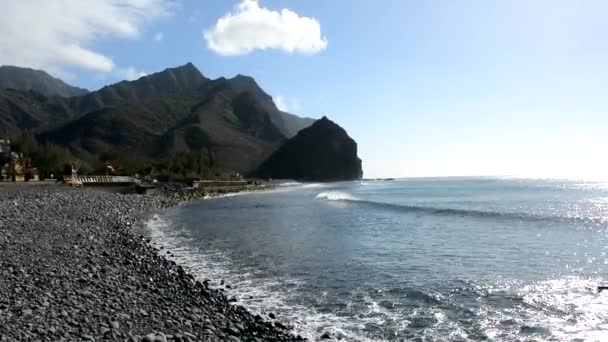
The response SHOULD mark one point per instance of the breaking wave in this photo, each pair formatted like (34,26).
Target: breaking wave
(568,308)
(337,196)
(260,295)
(347,197)
(290,184)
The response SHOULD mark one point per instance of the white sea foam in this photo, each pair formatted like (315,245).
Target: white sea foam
(258,294)
(283,187)
(290,184)
(242,193)
(230,194)
(336,196)
(313,185)
(301,185)
(568,308)
(582,311)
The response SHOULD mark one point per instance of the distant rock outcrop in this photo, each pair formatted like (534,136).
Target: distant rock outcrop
(321,152)
(37,81)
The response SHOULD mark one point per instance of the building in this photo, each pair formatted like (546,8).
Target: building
(15,167)
(22,169)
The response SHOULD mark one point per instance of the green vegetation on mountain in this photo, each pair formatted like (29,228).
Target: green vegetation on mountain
(172,123)
(36,80)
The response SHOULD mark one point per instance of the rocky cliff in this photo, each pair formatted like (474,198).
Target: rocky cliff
(321,152)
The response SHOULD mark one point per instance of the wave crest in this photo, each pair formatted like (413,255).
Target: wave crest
(290,184)
(336,196)
(346,197)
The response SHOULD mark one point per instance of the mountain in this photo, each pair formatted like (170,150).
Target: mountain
(36,80)
(28,110)
(231,123)
(321,152)
(183,80)
(230,130)
(288,124)
(291,124)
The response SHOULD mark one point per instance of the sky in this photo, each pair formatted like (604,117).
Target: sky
(426,88)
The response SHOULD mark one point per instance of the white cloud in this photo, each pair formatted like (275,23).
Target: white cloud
(280,103)
(250,27)
(130,73)
(158,36)
(286,105)
(55,35)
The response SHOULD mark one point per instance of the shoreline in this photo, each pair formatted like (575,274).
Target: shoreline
(192,194)
(74,268)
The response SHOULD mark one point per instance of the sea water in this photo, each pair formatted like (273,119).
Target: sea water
(456,259)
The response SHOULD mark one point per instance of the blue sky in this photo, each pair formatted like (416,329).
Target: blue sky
(427,88)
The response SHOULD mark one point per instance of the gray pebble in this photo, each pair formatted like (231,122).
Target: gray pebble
(72,269)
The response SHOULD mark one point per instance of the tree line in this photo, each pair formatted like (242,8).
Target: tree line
(54,160)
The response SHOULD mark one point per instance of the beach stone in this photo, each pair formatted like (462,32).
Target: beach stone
(187,334)
(233,331)
(150,338)
(124,316)
(72,271)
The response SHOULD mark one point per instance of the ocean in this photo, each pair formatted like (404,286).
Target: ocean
(447,259)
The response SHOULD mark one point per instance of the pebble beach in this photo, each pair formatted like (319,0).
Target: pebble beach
(73,268)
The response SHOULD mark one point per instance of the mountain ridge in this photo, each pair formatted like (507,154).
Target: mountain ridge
(37,80)
(230,123)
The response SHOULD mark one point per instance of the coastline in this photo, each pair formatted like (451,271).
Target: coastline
(192,194)
(73,268)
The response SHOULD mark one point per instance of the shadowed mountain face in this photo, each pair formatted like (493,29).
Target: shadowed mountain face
(36,80)
(233,122)
(27,110)
(321,152)
(183,80)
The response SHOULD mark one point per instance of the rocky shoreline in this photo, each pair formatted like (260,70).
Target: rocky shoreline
(73,269)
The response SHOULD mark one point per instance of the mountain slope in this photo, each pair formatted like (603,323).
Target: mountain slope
(36,80)
(132,128)
(183,80)
(291,124)
(231,123)
(288,124)
(26,110)
(321,152)
(230,130)
(187,82)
